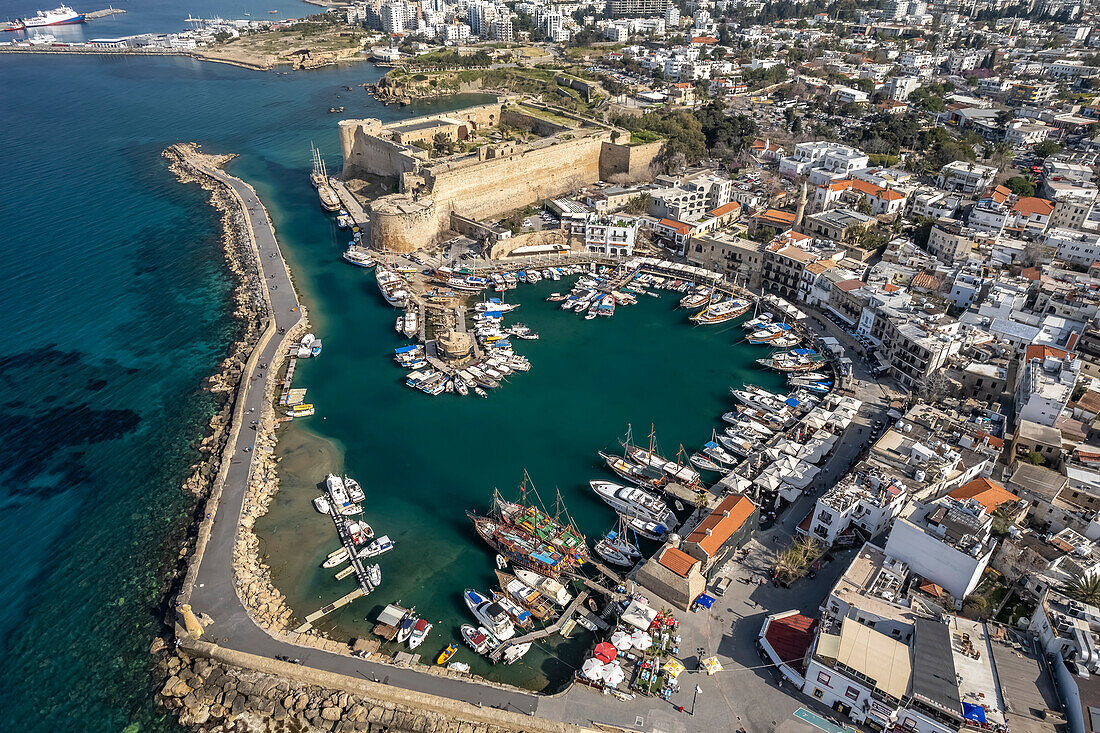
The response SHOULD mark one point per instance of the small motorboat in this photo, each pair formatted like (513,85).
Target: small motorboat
(376,548)
(458,667)
(476,639)
(321,504)
(405,630)
(514,652)
(446,654)
(502,562)
(374,574)
(337,558)
(460,387)
(419,633)
(612,554)
(480,392)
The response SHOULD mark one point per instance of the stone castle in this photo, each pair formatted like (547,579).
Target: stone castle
(488,181)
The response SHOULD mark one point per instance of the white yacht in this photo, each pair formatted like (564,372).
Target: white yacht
(633,502)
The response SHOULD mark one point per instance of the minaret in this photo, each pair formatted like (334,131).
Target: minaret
(801,209)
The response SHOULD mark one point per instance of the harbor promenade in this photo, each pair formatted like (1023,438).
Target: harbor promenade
(211,589)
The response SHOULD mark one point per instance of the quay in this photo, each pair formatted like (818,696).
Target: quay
(325,610)
(103,13)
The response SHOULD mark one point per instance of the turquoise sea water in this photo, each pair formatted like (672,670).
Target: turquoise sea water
(116,297)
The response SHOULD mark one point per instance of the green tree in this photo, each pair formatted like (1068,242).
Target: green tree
(1020,186)
(1047,148)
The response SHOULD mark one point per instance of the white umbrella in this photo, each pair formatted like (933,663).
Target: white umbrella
(592,669)
(613,674)
(644,642)
(622,640)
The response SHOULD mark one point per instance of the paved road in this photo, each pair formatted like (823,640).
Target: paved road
(215,593)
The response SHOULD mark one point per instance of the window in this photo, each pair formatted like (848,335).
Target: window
(823,678)
(851,693)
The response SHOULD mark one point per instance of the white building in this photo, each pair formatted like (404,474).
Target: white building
(868,500)
(610,235)
(946,541)
(828,160)
(1045,383)
(1073,245)
(965,176)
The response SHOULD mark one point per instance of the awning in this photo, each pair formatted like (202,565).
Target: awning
(704,600)
(712,665)
(973,712)
(673,668)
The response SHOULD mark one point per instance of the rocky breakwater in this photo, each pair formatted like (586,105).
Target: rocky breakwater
(250,306)
(212,695)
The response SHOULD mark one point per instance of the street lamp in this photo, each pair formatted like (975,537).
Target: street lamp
(694,697)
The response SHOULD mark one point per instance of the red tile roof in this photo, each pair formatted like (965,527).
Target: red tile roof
(989,494)
(790,637)
(1039,351)
(849,285)
(781,217)
(1033,205)
(679,226)
(677,561)
(726,208)
(728,517)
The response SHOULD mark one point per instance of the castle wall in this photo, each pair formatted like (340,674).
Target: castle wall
(535,124)
(629,162)
(399,224)
(365,152)
(498,185)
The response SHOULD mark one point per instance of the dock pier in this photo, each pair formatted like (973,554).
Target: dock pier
(542,633)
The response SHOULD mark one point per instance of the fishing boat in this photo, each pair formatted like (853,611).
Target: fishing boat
(392,286)
(698,459)
(633,501)
(339,557)
(446,654)
(494,618)
(769,332)
(796,360)
(12,25)
(696,298)
(647,477)
(378,547)
(320,180)
(476,639)
(410,325)
(525,595)
(419,633)
(548,587)
(514,652)
(359,256)
(606,306)
(521,617)
(681,474)
(721,312)
(759,322)
(360,531)
(321,504)
(555,298)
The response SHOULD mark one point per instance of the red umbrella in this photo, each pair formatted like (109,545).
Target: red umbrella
(606,652)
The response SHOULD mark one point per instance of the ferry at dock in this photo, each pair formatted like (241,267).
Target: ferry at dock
(61,15)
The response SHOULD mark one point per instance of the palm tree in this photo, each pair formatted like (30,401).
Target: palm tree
(1085,589)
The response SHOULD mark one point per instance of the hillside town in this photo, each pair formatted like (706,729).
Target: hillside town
(914,182)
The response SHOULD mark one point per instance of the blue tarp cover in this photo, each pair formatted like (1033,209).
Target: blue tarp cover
(704,600)
(973,712)
(403,349)
(792,402)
